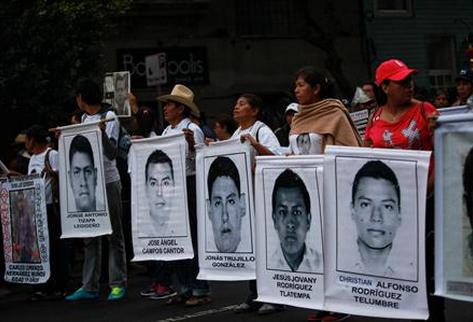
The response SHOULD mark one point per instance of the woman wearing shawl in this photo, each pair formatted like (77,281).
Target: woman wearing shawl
(321,120)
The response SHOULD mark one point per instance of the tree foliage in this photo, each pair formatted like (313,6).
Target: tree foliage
(46,46)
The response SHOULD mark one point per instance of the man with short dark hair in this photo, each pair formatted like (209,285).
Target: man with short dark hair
(226,204)
(303,143)
(159,182)
(88,98)
(292,219)
(376,211)
(83,174)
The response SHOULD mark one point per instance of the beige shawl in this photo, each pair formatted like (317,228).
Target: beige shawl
(328,118)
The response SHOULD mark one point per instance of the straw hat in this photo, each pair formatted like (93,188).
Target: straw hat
(183,95)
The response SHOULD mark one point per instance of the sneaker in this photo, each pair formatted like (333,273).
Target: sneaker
(150,290)
(82,294)
(162,292)
(117,293)
(267,308)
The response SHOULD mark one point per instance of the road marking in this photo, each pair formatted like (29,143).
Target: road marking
(199,314)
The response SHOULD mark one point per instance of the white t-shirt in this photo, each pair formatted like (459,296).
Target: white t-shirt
(36,165)
(198,139)
(263,135)
(112,130)
(305,143)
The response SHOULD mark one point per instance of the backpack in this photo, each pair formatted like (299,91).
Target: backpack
(124,140)
(49,172)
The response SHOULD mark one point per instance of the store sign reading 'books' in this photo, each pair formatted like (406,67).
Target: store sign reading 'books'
(185,65)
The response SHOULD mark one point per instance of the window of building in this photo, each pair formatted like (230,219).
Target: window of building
(393,8)
(441,61)
(264,17)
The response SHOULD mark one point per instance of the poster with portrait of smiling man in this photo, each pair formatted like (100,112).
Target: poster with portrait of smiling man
(159,218)
(374,210)
(288,201)
(454,206)
(83,198)
(225,211)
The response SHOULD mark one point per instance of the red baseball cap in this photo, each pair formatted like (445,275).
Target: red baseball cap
(393,69)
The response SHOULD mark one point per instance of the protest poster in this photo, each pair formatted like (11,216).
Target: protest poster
(374,231)
(160,218)
(288,202)
(82,194)
(454,110)
(360,118)
(454,207)
(116,87)
(25,230)
(225,214)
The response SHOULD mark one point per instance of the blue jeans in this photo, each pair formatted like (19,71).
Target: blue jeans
(116,250)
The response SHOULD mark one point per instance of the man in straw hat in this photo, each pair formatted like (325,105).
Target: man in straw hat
(178,107)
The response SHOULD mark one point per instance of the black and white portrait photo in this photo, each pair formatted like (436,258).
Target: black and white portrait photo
(121,82)
(228,227)
(468,202)
(303,143)
(376,231)
(161,218)
(306,143)
(291,221)
(226,204)
(85,194)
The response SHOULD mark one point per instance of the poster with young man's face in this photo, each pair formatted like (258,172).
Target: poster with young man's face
(160,220)
(225,211)
(288,198)
(83,196)
(454,209)
(374,206)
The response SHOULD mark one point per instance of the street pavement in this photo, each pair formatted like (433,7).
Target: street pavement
(17,307)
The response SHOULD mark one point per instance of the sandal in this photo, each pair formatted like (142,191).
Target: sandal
(178,299)
(198,300)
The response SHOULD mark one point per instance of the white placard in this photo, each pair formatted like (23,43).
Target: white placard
(160,218)
(375,231)
(83,198)
(156,72)
(288,199)
(25,230)
(116,87)
(225,212)
(454,207)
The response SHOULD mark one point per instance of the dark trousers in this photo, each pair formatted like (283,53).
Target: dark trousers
(59,254)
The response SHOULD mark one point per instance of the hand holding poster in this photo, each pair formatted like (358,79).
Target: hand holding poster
(83,198)
(25,230)
(454,207)
(374,210)
(160,219)
(225,212)
(288,199)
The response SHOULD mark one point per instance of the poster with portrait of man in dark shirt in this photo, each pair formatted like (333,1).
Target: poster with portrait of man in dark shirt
(295,221)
